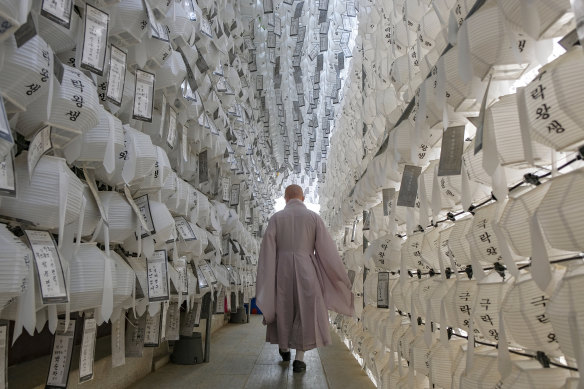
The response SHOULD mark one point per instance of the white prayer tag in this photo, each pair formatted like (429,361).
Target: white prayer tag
(208,273)
(48,265)
(40,144)
(7,181)
(143,204)
(87,350)
(220,308)
(143,96)
(184,229)
(59,11)
(225,186)
(173,321)
(157,29)
(180,265)
(135,336)
(203,167)
(188,323)
(152,331)
(451,152)
(185,144)
(157,276)
(61,355)
(5,132)
(117,75)
(95,40)
(3,354)
(234,198)
(409,186)
(383,290)
(388,195)
(119,341)
(203,283)
(171,136)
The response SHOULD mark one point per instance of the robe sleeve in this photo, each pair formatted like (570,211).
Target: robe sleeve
(266,275)
(335,280)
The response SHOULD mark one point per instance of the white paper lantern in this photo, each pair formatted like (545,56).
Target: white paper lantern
(60,39)
(530,374)
(124,281)
(443,359)
(458,303)
(15,260)
(482,241)
(53,189)
(122,219)
(540,19)
(129,21)
(484,372)
(457,242)
(485,309)
(87,272)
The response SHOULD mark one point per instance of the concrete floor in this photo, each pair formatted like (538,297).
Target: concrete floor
(240,358)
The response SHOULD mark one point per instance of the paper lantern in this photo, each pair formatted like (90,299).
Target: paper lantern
(126,21)
(421,353)
(99,146)
(124,281)
(423,151)
(25,73)
(135,162)
(546,19)
(485,42)
(484,372)
(74,109)
(15,260)
(530,374)
(483,243)
(154,182)
(502,120)
(485,309)
(15,14)
(60,38)
(565,311)
(458,303)
(412,249)
(386,252)
(179,203)
(52,190)
(87,272)
(182,27)
(457,242)
(164,228)
(524,313)
(561,213)
(170,76)
(553,107)
(443,359)
(90,215)
(122,219)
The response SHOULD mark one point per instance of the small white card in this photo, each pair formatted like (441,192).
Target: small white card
(173,321)
(5,132)
(117,75)
(143,96)
(225,189)
(87,350)
(208,273)
(234,197)
(157,272)
(152,330)
(135,336)
(40,144)
(48,265)
(143,204)
(119,341)
(61,356)
(171,136)
(184,229)
(95,40)
(180,265)
(59,11)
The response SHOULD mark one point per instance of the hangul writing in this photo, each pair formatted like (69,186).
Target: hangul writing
(538,92)
(541,300)
(73,115)
(485,303)
(78,100)
(32,88)
(555,126)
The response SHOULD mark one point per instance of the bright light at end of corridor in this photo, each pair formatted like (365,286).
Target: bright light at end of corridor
(281,203)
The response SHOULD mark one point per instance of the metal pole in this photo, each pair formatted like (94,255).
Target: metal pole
(248,310)
(208,331)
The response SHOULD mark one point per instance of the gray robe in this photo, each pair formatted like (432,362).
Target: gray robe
(300,276)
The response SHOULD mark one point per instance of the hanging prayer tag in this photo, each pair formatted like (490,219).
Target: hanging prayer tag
(185,143)
(48,265)
(201,278)
(87,356)
(383,290)
(94,40)
(5,132)
(451,152)
(7,176)
(184,229)
(143,204)
(234,198)
(117,75)
(388,196)
(203,167)
(478,145)
(143,96)
(61,356)
(58,11)
(157,29)
(171,136)
(157,273)
(135,336)
(225,185)
(152,330)
(180,265)
(40,144)
(208,273)
(118,339)
(408,190)
(206,27)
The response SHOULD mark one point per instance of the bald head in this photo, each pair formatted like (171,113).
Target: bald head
(293,192)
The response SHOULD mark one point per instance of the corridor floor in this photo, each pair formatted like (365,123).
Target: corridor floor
(240,358)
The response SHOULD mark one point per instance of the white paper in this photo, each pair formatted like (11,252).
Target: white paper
(119,341)
(95,40)
(158,276)
(48,265)
(5,132)
(234,197)
(143,96)
(225,188)
(117,75)
(61,356)
(171,136)
(185,144)
(59,11)
(40,144)
(143,205)
(184,229)
(180,265)
(173,321)
(7,178)
(135,336)
(87,350)
(152,330)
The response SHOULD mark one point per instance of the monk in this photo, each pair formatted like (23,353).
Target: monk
(300,277)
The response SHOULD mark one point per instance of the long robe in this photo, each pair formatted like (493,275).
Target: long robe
(300,276)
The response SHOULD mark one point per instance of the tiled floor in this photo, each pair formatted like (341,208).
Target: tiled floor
(240,358)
